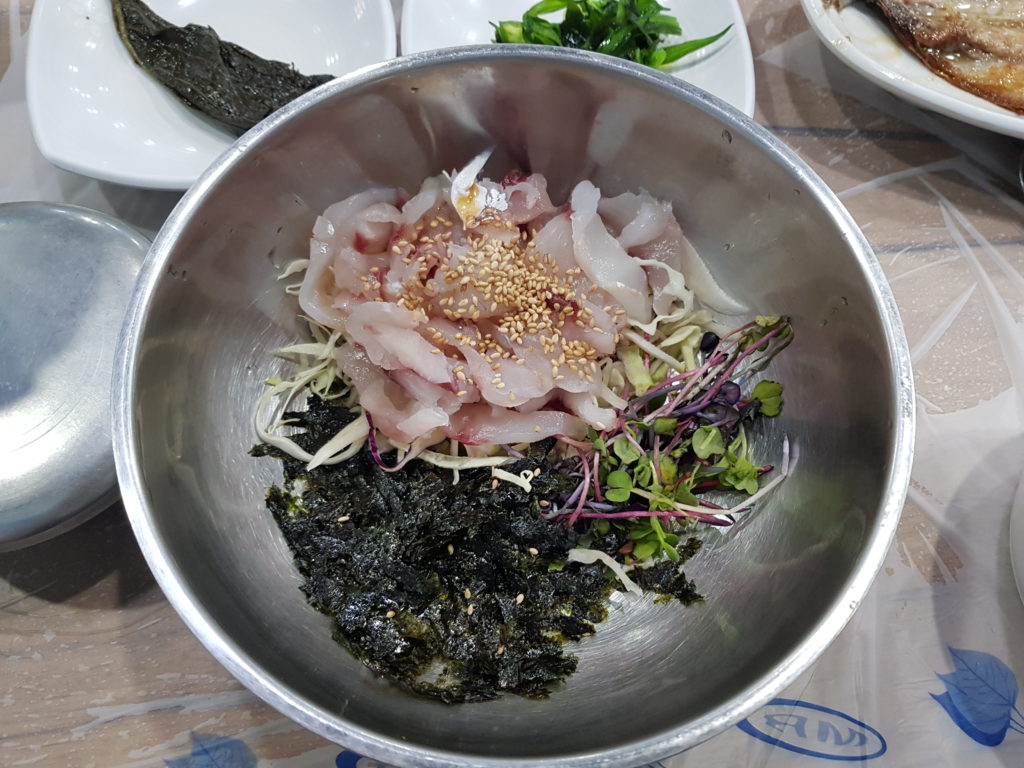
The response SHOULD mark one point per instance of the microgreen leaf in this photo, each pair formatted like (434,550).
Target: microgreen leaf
(669,470)
(770,395)
(643,475)
(617,495)
(639,532)
(680,450)
(741,475)
(646,549)
(625,450)
(619,479)
(665,426)
(685,496)
(708,442)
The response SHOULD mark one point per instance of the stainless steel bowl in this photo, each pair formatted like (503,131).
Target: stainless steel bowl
(208,309)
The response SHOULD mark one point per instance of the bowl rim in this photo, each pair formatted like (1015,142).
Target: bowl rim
(393,749)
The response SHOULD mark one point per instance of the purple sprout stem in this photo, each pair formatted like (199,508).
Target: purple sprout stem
(585,485)
(371,438)
(709,519)
(726,375)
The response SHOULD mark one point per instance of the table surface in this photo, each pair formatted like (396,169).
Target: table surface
(96,669)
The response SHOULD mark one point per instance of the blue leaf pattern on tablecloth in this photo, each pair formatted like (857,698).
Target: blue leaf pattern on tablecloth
(965,725)
(980,695)
(351,760)
(215,752)
(347,760)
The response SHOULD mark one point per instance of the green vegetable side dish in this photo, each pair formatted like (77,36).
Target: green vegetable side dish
(628,29)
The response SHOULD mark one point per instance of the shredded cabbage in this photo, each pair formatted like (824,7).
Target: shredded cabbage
(590,556)
(293,268)
(522,479)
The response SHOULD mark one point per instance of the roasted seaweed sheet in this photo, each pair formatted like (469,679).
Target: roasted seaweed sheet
(457,592)
(223,81)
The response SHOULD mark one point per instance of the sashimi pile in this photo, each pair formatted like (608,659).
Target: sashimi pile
(514,409)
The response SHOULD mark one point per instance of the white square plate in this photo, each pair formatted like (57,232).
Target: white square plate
(725,68)
(93,111)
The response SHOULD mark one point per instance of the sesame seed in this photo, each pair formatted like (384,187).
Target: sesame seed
(469,611)
(389,615)
(519,598)
(501,650)
(545,503)
(344,519)
(451,549)
(494,483)
(533,551)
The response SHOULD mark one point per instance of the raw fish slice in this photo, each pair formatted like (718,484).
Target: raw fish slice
(517,382)
(490,425)
(554,239)
(388,334)
(675,250)
(636,219)
(316,294)
(601,257)
(584,404)
(527,199)
(422,391)
(394,412)
(335,232)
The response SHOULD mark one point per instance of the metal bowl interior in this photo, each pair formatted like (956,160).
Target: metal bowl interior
(209,310)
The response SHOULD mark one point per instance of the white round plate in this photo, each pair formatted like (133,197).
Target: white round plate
(861,39)
(725,68)
(93,111)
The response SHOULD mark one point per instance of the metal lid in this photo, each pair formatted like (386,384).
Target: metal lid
(66,275)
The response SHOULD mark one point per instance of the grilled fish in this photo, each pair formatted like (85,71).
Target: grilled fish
(977,45)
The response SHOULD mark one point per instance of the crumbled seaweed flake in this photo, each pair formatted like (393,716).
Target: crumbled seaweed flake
(667,578)
(398,596)
(392,556)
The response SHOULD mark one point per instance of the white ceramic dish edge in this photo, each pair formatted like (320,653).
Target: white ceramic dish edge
(433,24)
(94,112)
(902,73)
